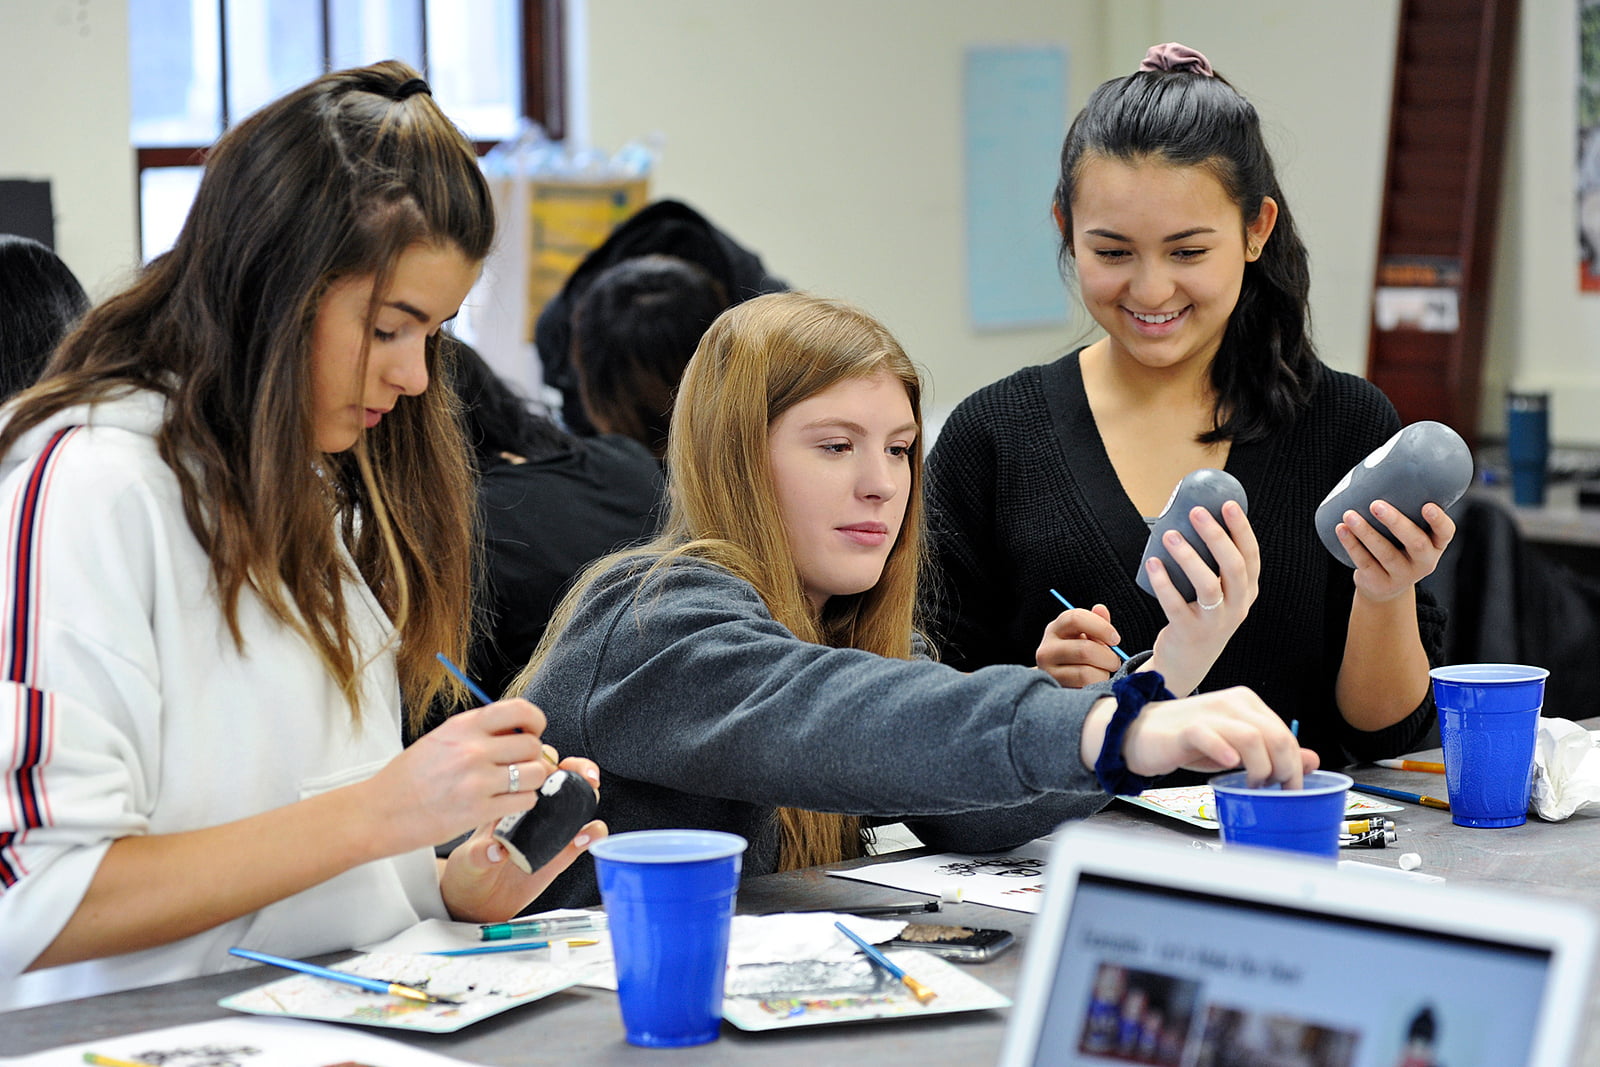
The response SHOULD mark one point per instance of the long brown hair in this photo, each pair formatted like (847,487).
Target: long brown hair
(334,180)
(758,360)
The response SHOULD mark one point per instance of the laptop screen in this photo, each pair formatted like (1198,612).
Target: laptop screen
(1157,975)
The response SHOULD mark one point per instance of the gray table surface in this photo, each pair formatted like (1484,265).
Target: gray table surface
(583,1026)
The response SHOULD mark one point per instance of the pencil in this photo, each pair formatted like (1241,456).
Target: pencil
(112,1061)
(374,985)
(918,990)
(1069,606)
(1410,765)
(1399,794)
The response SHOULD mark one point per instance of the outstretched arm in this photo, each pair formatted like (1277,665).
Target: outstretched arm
(1208,732)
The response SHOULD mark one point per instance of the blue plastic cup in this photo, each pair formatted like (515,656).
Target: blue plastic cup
(1488,724)
(1294,820)
(669,897)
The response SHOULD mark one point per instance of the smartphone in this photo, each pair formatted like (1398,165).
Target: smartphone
(964,944)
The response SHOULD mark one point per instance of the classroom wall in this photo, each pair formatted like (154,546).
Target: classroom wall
(827,136)
(64,69)
(1544,333)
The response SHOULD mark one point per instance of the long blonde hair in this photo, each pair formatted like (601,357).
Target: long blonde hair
(759,359)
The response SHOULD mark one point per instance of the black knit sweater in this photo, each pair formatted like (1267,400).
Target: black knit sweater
(1023,499)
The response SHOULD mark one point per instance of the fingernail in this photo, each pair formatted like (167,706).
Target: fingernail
(593,774)
(581,840)
(495,853)
(551,754)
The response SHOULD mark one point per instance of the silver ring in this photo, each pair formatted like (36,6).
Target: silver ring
(513,778)
(1213,607)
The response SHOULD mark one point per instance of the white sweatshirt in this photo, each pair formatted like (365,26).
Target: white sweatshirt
(126,708)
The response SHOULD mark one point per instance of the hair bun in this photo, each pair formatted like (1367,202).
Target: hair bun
(1173,56)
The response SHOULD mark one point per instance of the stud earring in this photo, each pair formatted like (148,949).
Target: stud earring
(1253,250)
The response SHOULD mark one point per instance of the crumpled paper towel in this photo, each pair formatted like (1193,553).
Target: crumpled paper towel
(1566,770)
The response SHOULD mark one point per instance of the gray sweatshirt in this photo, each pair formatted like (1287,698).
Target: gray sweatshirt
(703,711)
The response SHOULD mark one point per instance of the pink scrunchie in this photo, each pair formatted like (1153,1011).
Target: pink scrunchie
(1175,56)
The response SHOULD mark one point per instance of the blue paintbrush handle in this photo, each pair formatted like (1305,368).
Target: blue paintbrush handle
(373,984)
(472,686)
(498,946)
(870,950)
(1069,607)
(918,990)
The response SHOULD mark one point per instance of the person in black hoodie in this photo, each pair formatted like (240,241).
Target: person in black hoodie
(548,504)
(666,227)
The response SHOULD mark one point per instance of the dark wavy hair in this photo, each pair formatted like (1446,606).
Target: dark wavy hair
(1265,368)
(334,180)
(40,300)
(633,332)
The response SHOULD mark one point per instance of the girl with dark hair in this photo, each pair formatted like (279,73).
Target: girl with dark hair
(1186,255)
(757,668)
(549,504)
(239,531)
(40,300)
(632,332)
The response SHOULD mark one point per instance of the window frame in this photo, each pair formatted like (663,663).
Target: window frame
(544,86)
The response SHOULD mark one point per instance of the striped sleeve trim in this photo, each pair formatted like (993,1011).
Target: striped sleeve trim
(26,803)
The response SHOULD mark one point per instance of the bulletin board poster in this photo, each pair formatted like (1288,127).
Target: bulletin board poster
(1588,170)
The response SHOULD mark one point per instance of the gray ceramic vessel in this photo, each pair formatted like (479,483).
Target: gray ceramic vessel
(1207,488)
(1426,461)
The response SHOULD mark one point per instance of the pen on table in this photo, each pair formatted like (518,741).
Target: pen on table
(1410,765)
(112,1061)
(918,990)
(556,924)
(878,909)
(375,985)
(1069,607)
(1400,794)
(510,946)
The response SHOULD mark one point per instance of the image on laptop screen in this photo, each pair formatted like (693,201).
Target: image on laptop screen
(1164,976)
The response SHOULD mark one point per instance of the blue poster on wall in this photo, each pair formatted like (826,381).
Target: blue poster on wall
(1015,114)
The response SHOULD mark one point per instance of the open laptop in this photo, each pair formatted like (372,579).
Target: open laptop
(1145,952)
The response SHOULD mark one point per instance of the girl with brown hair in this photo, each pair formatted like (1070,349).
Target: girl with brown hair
(757,667)
(238,532)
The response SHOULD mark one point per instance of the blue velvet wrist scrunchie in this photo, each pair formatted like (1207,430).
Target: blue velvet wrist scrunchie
(1133,692)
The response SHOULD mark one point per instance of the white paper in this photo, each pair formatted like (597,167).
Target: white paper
(592,965)
(792,936)
(1417,308)
(477,986)
(271,1043)
(1012,880)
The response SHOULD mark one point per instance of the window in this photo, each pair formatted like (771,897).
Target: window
(197,65)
